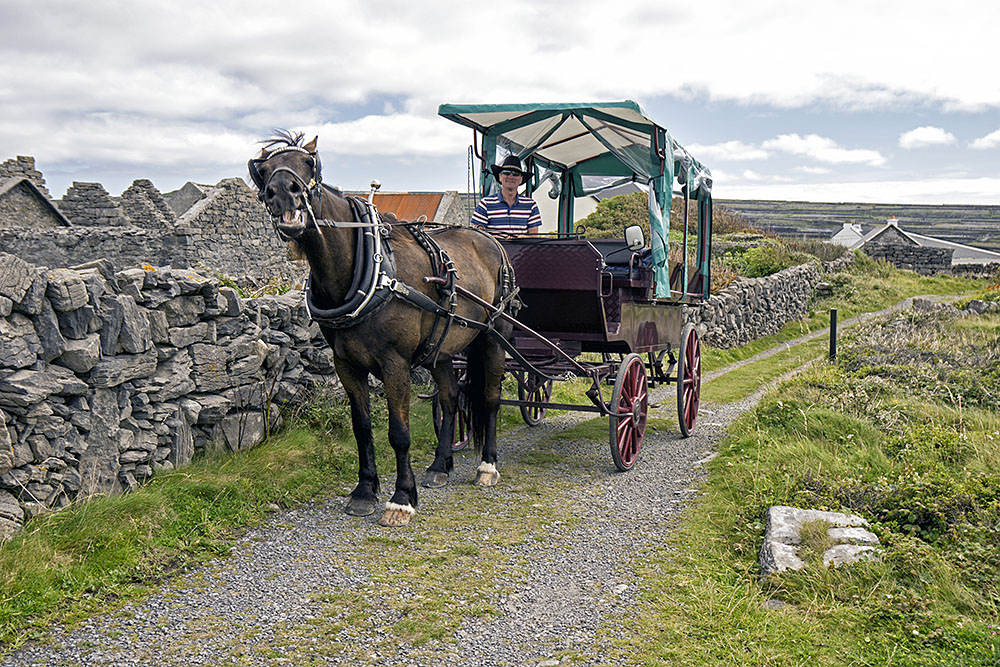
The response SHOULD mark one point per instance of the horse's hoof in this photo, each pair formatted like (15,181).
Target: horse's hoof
(487,475)
(396,515)
(434,479)
(359,506)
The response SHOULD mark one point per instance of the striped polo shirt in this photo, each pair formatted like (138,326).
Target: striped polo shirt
(493,213)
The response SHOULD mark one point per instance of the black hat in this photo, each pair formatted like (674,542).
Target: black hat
(513,164)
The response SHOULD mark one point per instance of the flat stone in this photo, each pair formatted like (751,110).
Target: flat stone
(183,311)
(47,327)
(66,290)
(779,550)
(11,516)
(242,431)
(16,277)
(123,368)
(135,336)
(847,554)
(81,355)
(19,343)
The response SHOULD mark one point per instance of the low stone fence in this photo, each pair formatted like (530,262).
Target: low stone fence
(108,377)
(752,308)
(922,259)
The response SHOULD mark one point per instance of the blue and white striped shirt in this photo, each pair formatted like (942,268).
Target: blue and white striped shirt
(493,213)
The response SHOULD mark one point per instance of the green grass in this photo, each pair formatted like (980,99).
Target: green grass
(743,381)
(874,435)
(98,555)
(867,287)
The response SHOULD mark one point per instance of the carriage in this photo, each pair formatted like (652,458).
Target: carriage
(390,294)
(608,310)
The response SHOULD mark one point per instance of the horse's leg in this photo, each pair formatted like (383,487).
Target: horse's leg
(396,379)
(436,475)
(493,361)
(364,495)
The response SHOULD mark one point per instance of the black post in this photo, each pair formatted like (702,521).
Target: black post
(833,334)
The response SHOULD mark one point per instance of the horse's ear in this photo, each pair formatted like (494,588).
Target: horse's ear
(263,154)
(311,146)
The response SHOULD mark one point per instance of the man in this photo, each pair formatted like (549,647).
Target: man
(506,211)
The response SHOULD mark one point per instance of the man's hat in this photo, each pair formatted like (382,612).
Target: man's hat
(513,164)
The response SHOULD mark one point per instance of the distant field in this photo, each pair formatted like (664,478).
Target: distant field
(977,226)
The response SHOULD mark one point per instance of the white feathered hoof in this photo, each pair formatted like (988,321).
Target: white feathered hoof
(487,475)
(396,515)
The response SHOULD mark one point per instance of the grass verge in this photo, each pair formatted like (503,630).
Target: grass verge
(903,431)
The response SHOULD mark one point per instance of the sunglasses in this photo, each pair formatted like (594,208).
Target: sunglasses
(510,172)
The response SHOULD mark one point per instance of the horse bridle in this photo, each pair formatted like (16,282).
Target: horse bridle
(313,189)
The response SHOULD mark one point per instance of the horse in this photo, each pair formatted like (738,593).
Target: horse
(386,294)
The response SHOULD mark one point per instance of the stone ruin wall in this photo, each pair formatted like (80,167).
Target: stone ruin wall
(225,232)
(107,377)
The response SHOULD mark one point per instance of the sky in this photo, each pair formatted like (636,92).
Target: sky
(869,101)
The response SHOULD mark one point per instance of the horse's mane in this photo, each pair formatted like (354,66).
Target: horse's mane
(284,137)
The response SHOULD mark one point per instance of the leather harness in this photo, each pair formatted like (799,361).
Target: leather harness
(374,280)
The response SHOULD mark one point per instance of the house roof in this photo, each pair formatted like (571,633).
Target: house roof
(12,183)
(406,205)
(963,254)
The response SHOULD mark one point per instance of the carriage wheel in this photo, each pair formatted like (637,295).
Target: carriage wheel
(530,387)
(688,379)
(463,415)
(630,397)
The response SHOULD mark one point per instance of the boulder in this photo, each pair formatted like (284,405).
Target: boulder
(16,277)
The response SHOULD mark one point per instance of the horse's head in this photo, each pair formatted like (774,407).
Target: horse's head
(288,180)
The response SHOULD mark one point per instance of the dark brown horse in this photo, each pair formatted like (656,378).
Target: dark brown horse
(388,332)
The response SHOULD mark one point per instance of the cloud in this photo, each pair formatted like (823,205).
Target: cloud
(729,150)
(991,140)
(921,191)
(814,170)
(750,175)
(926,135)
(823,149)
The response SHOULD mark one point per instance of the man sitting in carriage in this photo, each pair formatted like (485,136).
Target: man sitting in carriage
(506,211)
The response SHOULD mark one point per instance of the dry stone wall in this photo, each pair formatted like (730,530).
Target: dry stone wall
(107,377)
(922,259)
(752,308)
(226,232)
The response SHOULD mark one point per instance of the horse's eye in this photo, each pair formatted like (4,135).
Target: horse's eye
(294,187)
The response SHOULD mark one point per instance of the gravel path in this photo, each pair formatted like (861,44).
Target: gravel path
(265,592)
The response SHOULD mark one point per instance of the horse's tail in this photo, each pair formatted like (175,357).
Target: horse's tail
(475,390)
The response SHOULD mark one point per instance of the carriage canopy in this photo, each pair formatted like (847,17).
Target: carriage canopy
(583,149)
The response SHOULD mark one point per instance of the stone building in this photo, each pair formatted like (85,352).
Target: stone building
(220,229)
(917,252)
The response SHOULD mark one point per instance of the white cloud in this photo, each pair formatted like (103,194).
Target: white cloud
(921,191)
(814,170)
(926,135)
(823,149)
(991,140)
(728,150)
(751,175)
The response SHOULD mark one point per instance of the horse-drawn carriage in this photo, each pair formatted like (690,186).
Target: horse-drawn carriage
(471,308)
(610,310)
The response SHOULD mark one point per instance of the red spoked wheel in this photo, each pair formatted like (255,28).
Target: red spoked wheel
(629,402)
(688,379)
(533,388)
(463,416)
